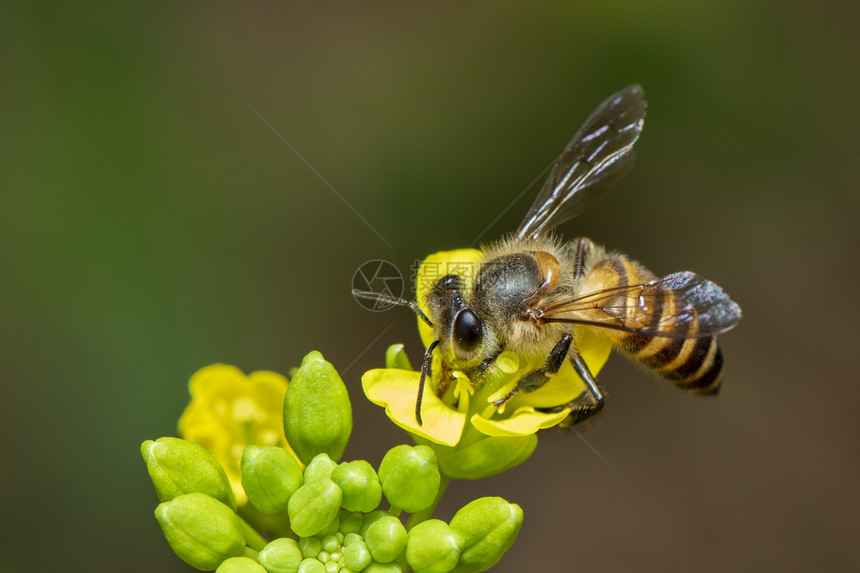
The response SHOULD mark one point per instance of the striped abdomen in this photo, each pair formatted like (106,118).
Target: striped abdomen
(694,364)
(655,325)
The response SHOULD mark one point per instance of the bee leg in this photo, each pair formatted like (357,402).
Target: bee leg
(425,369)
(580,410)
(485,363)
(537,378)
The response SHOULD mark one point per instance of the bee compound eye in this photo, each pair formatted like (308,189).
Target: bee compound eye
(468,330)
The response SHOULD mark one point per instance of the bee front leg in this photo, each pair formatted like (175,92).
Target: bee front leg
(537,378)
(594,399)
(485,363)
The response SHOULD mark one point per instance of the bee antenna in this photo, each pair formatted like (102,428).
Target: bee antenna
(380,297)
(425,368)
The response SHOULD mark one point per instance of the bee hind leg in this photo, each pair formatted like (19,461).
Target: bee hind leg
(537,378)
(586,404)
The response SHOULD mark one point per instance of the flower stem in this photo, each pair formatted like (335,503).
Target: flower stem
(251,553)
(252,538)
(426,514)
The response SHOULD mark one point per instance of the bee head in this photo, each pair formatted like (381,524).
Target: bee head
(458,324)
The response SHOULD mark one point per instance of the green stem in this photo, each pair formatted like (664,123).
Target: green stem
(252,538)
(273,525)
(426,514)
(251,553)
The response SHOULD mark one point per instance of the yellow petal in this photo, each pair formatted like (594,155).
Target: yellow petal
(564,386)
(523,422)
(560,389)
(216,380)
(396,390)
(229,410)
(198,426)
(593,347)
(463,262)
(268,388)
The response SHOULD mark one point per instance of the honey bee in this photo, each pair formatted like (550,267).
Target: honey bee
(532,293)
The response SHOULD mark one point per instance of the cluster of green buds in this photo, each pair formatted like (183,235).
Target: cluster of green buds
(306,512)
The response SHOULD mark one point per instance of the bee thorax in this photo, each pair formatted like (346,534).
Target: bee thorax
(504,283)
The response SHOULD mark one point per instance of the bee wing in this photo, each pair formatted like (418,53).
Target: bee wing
(680,305)
(595,159)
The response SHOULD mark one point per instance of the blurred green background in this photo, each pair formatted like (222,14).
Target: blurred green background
(152,223)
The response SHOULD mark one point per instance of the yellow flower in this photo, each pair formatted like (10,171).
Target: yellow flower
(229,411)
(466,413)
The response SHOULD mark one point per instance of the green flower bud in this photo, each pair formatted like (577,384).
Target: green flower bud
(311,566)
(357,556)
(177,467)
(201,530)
(360,485)
(410,477)
(433,547)
(317,412)
(385,538)
(395,357)
(310,546)
(489,526)
(240,565)
(486,457)
(331,528)
(330,543)
(350,522)
(375,567)
(281,556)
(351,538)
(369,519)
(270,476)
(320,467)
(314,506)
